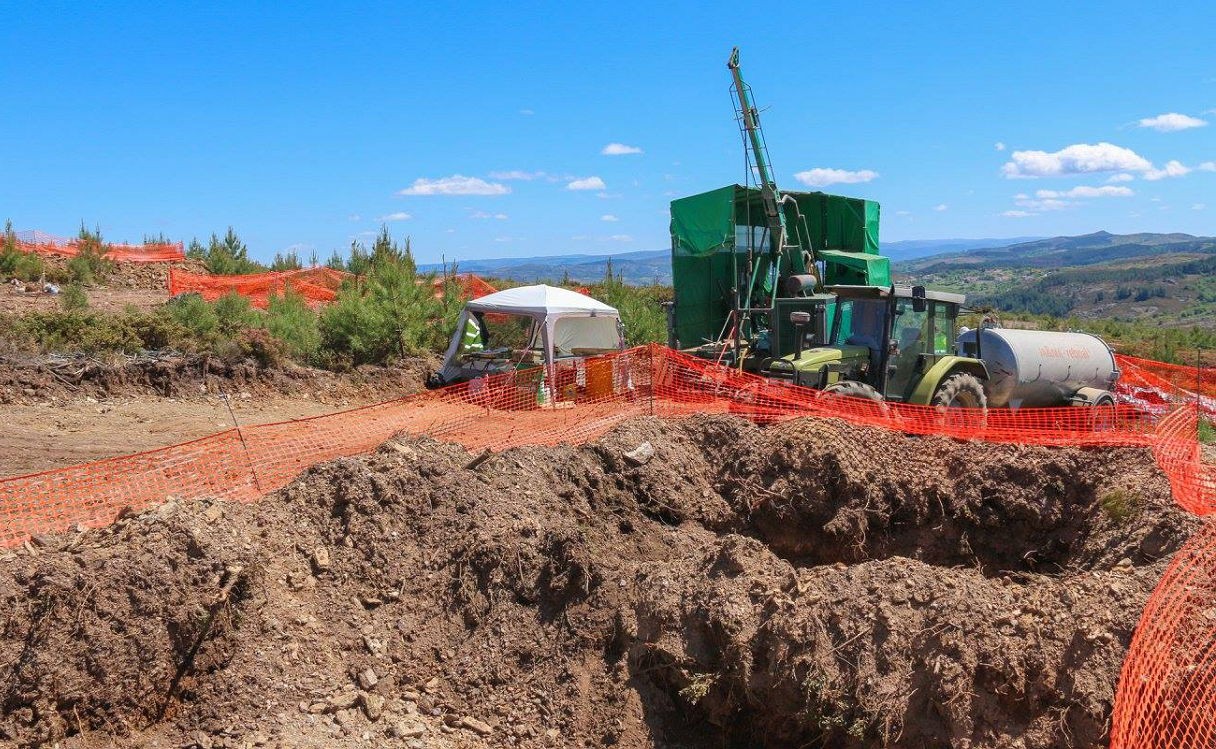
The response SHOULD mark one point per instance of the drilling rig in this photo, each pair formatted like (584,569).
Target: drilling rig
(744,257)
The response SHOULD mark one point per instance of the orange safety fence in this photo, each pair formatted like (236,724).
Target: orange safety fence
(318,285)
(471,286)
(122,253)
(1167,692)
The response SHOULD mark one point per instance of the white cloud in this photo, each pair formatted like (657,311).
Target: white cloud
(607,195)
(1018,214)
(620,238)
(1172,168)
(941,207)
(455,185)
(1199,207)
(398,216)
(822,177)
(354,217)
(1121,177)
(449,231)
(527,112)
(1081,158)
(1041,204)
(482,215)
(609,217)
(1171,122)
(903,213)
(587,183)
(1207,166)
(619,149)
(1085,191)
(517,174)
(1000,146)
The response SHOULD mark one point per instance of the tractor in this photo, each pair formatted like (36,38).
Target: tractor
(888,343)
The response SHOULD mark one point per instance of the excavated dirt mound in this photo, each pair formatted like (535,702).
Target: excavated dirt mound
(703,583)
(31,379)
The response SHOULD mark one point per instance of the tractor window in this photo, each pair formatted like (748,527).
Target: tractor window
(861,322)
(910,339)
(943,328)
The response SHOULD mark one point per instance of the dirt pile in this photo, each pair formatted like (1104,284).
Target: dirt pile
(32,379)
(694,584)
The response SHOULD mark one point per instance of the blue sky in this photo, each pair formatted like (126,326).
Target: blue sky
(308,125)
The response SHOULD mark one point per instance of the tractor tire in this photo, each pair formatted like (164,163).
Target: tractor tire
(867,402)
(854,389)
(960,390)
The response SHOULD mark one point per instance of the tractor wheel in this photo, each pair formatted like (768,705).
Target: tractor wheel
(873,405)
(854,389)
(963,406)
(960,390)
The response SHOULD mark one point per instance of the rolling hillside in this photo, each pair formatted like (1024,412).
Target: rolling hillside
(1169,279)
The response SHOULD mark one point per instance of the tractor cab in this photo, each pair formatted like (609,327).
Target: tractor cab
(893,343)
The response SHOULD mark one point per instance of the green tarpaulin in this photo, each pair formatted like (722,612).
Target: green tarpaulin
(706,260)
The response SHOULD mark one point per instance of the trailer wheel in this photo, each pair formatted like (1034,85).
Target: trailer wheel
(960,390)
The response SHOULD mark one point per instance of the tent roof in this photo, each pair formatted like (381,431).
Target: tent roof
(541,300)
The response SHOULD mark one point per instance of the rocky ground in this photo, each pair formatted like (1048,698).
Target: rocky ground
(702,583)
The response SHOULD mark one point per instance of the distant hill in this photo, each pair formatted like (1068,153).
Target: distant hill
(636,268)
(1168,279)
(910,249)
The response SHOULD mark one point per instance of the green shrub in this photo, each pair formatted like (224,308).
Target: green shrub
(392,311)
(73,298)
(233,314)
(290,320)
(1120,504)
(1207,432)
(193,315)
(227,256)
(90,265)
(286,261)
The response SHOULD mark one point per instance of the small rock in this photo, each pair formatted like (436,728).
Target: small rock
(320,558)
(373,705)
(641,454)
(213,513)
(476,726)
(431,685)
(403,730)
(344,700)
(368,679)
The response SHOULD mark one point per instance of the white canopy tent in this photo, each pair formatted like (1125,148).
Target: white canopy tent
(566,322)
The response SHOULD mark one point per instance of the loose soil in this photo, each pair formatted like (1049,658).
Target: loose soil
(805,584)
(60,411)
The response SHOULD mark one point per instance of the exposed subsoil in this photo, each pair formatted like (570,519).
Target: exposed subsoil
(806,584)
(30,379)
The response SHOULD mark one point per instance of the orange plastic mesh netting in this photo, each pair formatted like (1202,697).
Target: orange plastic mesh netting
(1167,692)
(318,285)
(123,253)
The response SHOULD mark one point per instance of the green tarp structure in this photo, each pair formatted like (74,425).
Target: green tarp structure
(706,259)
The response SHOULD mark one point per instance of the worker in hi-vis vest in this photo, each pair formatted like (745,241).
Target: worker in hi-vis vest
(471,342)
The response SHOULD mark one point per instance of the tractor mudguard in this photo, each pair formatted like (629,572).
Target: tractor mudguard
(943,368)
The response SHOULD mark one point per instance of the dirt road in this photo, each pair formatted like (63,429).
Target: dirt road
(53,434)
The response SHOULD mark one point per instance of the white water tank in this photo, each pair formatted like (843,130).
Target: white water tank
(1036,368)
